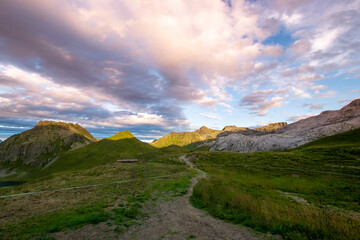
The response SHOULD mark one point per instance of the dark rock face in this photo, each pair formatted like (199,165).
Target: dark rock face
(39,145)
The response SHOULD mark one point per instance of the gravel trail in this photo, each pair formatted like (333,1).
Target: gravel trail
(178,219)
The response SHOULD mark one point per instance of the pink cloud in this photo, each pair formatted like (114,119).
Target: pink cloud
(300,47)
(260,101)
(318,87)
(328,94)
(313,106)
(149,56)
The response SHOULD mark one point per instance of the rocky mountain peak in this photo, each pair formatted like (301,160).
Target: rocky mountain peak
(234,128)
(45,141)
(74,127)
(52,123)
(204,129)
(354,104)
(271,127)
(352,108)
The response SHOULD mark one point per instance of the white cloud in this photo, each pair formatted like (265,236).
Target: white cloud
(343,101)
(211,116)
(325,39)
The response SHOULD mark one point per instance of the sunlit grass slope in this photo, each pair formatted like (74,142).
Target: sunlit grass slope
(311,192)
(186,138)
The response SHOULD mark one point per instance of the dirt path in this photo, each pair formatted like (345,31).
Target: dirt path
(178,219)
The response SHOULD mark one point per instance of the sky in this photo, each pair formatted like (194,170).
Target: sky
(152,66)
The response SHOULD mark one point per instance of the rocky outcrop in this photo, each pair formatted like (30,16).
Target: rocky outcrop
(325,124)
(272,127)
(234,128)
(39,145)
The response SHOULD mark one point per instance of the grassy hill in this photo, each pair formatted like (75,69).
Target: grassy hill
(122,145)
(37,146)
(311,192)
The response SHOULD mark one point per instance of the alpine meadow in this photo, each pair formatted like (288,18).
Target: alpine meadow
(178,120)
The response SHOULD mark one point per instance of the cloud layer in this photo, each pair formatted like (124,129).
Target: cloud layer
(121,64)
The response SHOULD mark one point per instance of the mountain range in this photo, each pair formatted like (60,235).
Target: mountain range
(205,135)
(57,146)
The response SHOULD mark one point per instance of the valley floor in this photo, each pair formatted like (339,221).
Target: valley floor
(311,192)
(178,219)
(173,218)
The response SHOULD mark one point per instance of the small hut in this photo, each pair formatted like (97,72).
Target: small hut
(127,160)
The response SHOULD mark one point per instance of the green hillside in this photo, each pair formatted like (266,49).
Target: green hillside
(122,145)
(346,138)
(311,192)
(186,138)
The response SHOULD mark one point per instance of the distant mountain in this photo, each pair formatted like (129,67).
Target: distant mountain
(186,138)
(272,127)
(325,124)
(122,145)
(204,135)
(0,141)
(45,141)
(234,128)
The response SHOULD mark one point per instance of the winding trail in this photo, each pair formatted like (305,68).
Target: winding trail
(178,219)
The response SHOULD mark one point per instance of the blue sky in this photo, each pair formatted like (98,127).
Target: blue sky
(152,67)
